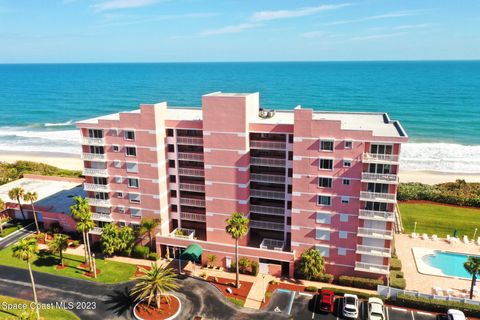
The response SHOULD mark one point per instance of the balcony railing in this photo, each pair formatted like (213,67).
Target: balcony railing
(95,172)
(375,233)
(376,215)
(271,145)
(183,233)
(268,162)
(373,251)
(96,230)
(99,202)
(192,141)
(94,156)
(93,141)
(259,177)
(267,225)
(192,187)
(267,194)
(96,187)
(192,202)
(379,177)
(371,268)
(272,244)
(191,172)
(377,196)
(102,217)
(193,216)
(381,158)
(190,156)
(267,210)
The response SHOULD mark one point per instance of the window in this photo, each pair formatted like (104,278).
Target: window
(346,181)
(343,234)
(290,138)
(135,213)
(174,208)
(326,145)
(114,132)
(322,234)
(324,182)
(169,132)
(323,217)
(117,164)
(342,251)
(122,223)
(326,164)
(99,180)
(97,149)
(347,163)
(173,178)
(173,193)
(348,144)
(134,197)
(116,148)
(95,133)
(121,209)
(131,151)
(171,148)
(129,135)
(324,200)
(343,217)
(345,199)
(132,167)
(118,179)
(381,149)
(133,182)
(120,195)
(324,250)
(171,163)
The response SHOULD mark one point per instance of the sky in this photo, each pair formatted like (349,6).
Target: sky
(49,31)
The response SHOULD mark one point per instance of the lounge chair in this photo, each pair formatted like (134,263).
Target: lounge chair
(414,235)
(437,291)
(434,237)
(425,236)
(465,239)
(449,292)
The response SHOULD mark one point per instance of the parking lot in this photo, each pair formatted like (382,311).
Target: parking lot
(302,306)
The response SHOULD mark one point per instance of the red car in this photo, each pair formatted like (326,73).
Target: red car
(325,303)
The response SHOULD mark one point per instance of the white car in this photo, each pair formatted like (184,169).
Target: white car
(350,306)
(454,314)
(376,309)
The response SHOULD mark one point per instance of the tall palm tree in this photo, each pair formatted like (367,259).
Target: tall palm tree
(17,194)
(472,265)
(32,197)
(237,227)
(154,285)
(3,217)
(26,250)
(59,244)
(82,212)
(148,226)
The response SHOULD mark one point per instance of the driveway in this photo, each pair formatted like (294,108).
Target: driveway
(17,235)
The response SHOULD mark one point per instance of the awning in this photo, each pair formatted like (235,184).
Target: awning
(192,253)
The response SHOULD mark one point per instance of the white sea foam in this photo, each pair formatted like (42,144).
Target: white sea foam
(59,124)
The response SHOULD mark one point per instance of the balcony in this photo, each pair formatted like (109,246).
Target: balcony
(268,162)
(192,187)
(183,233)
(193,216)
(277,195)
(99,202)
(190,141)
(192,202)
(379,177)
(93,141)
(377,215)
(267,225)
(371,268)
(95,172)
(96,187)
(191,172)
(190,156)
(377,196)
(373,251)
(271,178)
(96,230)
(380,158)
(272,244)
(102,217)
(94,156)
(375,233)
(269,145)
(267,210)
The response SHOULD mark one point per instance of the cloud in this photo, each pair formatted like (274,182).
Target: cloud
(313,34)
(398,14)
(121,4)
(230,29)
(412,26)
(115,19)
(283,14)
(379,36)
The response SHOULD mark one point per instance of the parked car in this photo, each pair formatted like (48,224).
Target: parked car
(350,306)
(452,314)
(376,309)
(326,298)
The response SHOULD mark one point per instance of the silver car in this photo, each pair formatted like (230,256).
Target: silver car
(376,309)
(350,306)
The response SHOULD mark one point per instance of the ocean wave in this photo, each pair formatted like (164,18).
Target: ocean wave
(59,124)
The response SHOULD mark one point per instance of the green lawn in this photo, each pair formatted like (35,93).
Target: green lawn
(52,314)
(16,225)
(439,219)
(110,271)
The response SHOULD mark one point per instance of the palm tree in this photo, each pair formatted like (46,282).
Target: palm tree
(472,265)
(26,249)
(59,244)
(237,227)
(32,197)
(155,284)
(17,194)
(82,212)
(3,217)
(148,226)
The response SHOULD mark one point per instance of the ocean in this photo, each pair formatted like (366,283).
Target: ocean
(437,102)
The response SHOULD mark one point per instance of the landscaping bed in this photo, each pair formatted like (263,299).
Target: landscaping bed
(239,294)
(167,310)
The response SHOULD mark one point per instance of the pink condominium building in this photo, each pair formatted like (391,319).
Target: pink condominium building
(326,180)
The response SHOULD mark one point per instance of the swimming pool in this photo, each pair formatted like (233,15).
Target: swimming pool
(449,263)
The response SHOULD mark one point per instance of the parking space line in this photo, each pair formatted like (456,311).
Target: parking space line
(399,309)
(425,313)
(413,315)
(338,306)
(386,310)
(290,305)
(314,306)
(305,294)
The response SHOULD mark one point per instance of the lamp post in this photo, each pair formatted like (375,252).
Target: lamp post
(263,283)
(415,227)
(94,266)
(474,234)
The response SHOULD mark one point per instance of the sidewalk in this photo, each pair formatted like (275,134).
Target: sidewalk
(257,292)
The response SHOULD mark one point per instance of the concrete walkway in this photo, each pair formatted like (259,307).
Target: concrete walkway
(257,292)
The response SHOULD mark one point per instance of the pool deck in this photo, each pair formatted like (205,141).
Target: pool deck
(417,280)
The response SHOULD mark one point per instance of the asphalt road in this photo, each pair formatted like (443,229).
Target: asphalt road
(5,242)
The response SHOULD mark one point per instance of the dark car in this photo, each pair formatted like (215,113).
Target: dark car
(325,303)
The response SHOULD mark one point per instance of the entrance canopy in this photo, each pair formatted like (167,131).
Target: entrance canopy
(192,253)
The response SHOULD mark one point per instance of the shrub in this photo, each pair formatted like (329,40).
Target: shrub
(140,252)
(273,282)
(55,227)
(396,274)
(211,258)
(311,289)
(357,282)
(395,264)
(435,305)
(361,295)
(268,294)
(399,283)
(328,278)
(203,275)
(255,268)
(236,301)
(215,279)
(75,243)
(244,264)
(153,256)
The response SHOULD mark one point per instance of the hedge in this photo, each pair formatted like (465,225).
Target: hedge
(395,264)
(435,305)
(311,289)
(357,282)
(399,283)
(361,295)
(327,277)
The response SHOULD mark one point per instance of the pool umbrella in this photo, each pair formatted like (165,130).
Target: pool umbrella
(455,233)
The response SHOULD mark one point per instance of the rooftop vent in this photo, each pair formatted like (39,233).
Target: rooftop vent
(266,114)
